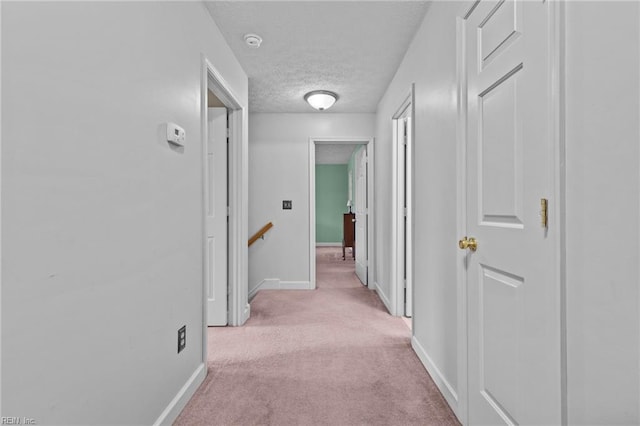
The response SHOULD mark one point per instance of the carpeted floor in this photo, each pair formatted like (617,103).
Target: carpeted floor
(330,356)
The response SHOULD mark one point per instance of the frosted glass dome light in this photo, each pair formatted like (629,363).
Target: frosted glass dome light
(321,99)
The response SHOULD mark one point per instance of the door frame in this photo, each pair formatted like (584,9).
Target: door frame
(369,142)
(406,109)
(0,213)
(557,212)
(238,306)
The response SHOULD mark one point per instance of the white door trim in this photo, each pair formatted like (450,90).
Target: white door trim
(558,178)
(238,180)
(406,109)
(556,213)
(0,215)
(369,141)
(461,406)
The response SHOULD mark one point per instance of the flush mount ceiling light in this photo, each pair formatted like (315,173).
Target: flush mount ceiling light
(321,99)
(253,40)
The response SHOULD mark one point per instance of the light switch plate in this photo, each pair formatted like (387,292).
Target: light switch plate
(182,338)
(286,205)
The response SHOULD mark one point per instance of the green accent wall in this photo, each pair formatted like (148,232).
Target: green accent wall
(331,201)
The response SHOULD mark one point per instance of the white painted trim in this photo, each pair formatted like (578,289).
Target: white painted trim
(371,214)
(203,154)
(406,109)
(264,282)
(369,142)
(392,305)
(277,284)
(329,244)
(312,212)
(246,313)
(410,204)
(385,299)
(461,220)
(0,205)
(177,404)
(238,307)
(292,285)
(558,179)
(238,218)
(253,293)
(439,379)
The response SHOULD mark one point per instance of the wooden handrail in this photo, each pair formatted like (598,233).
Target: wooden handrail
(260,233)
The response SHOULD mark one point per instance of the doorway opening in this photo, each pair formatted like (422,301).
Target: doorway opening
(340,203)
(341,196)
(402,213)
(225,300)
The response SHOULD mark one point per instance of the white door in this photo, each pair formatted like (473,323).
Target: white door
(361,215)
(514,352)
(216,217)
(408,233)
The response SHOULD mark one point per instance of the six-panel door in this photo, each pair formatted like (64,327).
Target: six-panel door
(513,301)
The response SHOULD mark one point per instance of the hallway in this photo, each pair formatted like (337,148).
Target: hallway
(329,356)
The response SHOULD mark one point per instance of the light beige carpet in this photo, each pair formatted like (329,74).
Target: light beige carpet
(330,356)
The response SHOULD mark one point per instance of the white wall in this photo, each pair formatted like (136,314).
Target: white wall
(101,219)
(430,63)
(279,170)
(603,215)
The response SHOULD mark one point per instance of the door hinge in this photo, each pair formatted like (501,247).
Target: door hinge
(544,213)
(228,211)
(404,211)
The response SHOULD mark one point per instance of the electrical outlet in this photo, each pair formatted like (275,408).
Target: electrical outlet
(182,338)
(286,205)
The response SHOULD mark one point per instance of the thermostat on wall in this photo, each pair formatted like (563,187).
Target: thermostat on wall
(175,134)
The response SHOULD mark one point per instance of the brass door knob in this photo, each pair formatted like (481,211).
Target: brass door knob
(470,244)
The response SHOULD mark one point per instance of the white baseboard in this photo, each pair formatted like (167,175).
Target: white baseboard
(276,284)
(170,414)
(294,285)
(268,282)
(443,384)
(329,244)
(245,314)
(384,298)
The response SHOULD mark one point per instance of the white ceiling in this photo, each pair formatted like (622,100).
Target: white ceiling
(352,48)
(334,154)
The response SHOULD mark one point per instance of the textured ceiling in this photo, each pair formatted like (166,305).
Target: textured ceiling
(352,48)
(334,154)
